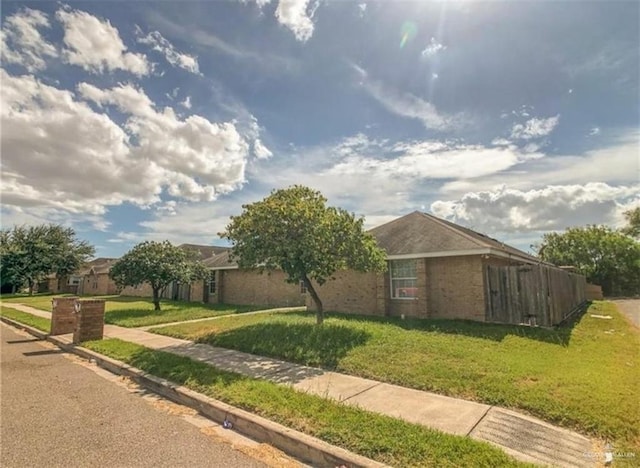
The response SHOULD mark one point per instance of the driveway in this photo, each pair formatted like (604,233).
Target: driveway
(631,308)
(58,411)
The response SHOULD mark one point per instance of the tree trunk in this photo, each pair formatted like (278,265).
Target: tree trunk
(156,298)
(31,288)
(316,300)
(13,288)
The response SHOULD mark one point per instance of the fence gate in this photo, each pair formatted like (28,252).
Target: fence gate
(532,294)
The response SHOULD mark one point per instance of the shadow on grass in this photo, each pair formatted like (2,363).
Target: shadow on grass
(560,335)
(182,304)
(181,370)
(304,343)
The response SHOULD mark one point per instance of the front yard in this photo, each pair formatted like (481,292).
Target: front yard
(583,377)
(138,312)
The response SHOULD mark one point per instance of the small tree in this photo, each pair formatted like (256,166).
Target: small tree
(159,264)
(29,253)
(633,223)
(293,230)
(605,256)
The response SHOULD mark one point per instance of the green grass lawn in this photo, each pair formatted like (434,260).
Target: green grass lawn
(382,438)
(40,323)
(138,312)
(583,376)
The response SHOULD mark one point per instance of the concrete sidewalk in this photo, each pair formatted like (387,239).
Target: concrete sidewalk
(526,438)
(255,312)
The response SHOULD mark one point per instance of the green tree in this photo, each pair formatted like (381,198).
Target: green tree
(605,256)
(633,223)
(159,264)
(31,253)
(293,230)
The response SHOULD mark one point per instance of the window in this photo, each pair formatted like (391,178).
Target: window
(303,288)
(74,280)
(403,279)
(212,282)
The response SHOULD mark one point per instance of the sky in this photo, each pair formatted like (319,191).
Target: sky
(133,121)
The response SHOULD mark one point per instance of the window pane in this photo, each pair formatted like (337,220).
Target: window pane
(403,269)
(404,288)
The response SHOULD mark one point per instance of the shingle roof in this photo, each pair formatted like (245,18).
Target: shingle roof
(204,251)
(98,265)
(418,233)
(222,260)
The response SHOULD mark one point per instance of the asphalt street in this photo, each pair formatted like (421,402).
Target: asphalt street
(57,411)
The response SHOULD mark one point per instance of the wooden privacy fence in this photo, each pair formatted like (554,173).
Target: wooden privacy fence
(532,294)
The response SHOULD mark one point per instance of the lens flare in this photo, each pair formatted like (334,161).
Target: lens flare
(407,32)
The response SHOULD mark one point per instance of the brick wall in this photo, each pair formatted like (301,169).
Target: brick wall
(142,290)
(63,315)
(89,321)
(196,291)
(350,292)
(248,287)
(99,284)
(455,287)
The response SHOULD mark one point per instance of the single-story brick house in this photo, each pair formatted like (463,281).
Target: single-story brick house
(232,285)
(436,269)
(177,291)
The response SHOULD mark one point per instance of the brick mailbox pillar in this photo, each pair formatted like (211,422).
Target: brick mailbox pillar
(63,316)
(89,320)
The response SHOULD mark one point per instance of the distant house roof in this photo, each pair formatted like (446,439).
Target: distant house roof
(204,251)
(221,261)
(420,234)
(98,266)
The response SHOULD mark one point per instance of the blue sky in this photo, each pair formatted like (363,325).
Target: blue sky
(159,120)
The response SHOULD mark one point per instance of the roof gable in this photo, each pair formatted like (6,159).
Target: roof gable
(421,233)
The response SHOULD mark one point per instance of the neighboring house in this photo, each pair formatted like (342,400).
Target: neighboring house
(94,278)
(438,269)
(63,285)
(183,292)
(231,285)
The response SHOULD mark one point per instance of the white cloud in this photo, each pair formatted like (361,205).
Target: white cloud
(363,9)
(293,15)
(433,48)
(617,164)
(411,106)
(175,58)
(435,160)
(96,45)
(554,207)
(186,103)
(534,128)
(21,42)
(194,148)
(57,152)
(381,178)
(594,131)
(261,151)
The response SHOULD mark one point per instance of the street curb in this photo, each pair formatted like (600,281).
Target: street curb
(301,446)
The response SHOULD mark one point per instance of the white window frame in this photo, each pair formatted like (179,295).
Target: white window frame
(303,287)
(403,278)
